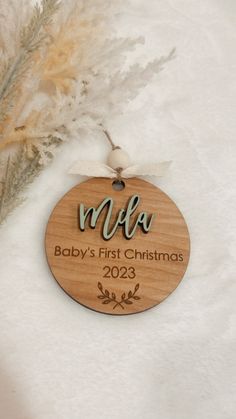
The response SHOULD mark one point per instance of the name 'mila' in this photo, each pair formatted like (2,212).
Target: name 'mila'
(123,218)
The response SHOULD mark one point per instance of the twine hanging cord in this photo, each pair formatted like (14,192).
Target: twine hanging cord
(113,146)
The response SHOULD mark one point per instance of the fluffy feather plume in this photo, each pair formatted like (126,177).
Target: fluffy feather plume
(15,68)
(61,72)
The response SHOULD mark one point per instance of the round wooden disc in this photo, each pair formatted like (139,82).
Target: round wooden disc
(117,276)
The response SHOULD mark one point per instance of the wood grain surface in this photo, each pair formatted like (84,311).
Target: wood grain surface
(117,276)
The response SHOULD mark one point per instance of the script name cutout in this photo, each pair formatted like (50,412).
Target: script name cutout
(123,218)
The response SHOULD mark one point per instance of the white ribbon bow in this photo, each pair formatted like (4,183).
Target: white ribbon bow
(97,169)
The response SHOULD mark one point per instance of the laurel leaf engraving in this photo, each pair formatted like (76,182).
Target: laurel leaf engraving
(108,297)
(100,286)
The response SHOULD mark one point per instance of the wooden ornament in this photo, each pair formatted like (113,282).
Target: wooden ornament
(117,251)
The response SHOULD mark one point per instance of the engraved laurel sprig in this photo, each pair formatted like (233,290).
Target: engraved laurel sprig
(110,297)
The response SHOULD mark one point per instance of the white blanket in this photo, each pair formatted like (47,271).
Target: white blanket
(60,360)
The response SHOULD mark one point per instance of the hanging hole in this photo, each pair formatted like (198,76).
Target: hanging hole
(118,185)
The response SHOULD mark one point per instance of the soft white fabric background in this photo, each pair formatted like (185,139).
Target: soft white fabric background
(176,361)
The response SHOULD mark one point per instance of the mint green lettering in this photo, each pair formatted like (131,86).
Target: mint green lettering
(123,218)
